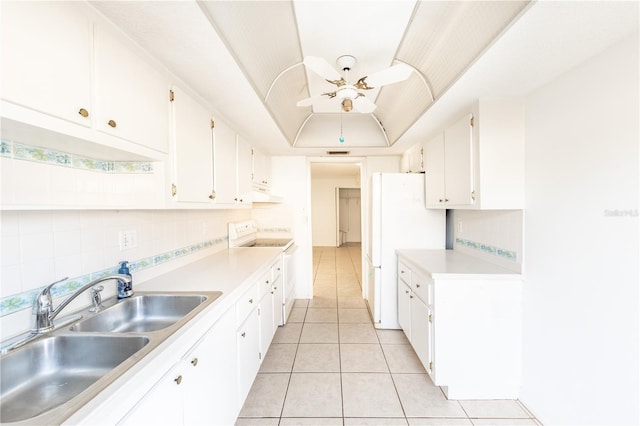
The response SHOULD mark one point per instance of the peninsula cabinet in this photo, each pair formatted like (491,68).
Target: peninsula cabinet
(192,148)
(462,316)
(478,161)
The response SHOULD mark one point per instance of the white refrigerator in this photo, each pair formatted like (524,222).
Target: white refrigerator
(398,220)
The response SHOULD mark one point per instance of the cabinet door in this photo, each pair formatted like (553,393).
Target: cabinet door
(266,323)
(224,163)
(261,176)
(434,172)
(210,376)
(421,329)
(132,97)
(192,149)
(244,171)
(248,341)
(46,58)
(458,162)
(404,308)
(162,405)
(278,303)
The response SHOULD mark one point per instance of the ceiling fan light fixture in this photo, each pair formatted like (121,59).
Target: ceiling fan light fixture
(347,105)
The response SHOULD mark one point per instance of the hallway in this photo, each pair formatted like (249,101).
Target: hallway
(330,366)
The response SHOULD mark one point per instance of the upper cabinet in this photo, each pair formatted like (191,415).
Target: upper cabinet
(46,58)
(64,66)
(192,148)
(131,96)
(477,162)
(232,167)
(413,159)
(261,170)
(449,177)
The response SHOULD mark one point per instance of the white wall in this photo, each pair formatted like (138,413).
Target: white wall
(581,323)
(290,179)
(323,207)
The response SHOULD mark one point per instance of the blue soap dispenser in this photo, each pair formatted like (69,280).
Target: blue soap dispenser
(125,289)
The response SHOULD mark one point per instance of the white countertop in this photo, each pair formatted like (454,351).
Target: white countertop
(231,271)
(450,264)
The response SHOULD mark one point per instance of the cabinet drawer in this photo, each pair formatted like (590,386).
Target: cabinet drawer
(247,302)
(264,283)
(422,287)
(276,271)
(404,273)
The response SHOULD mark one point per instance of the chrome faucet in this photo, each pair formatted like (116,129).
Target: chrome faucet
(43,311)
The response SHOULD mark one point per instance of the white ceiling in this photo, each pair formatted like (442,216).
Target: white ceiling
(244,59)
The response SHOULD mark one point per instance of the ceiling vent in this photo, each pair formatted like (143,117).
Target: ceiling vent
(337,152)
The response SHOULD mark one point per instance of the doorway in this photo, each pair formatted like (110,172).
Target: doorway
(348,216)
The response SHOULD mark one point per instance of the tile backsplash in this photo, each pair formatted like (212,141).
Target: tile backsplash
(492,235)
(40,247)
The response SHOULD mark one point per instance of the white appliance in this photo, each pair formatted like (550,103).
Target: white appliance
(399,220)
(245,234)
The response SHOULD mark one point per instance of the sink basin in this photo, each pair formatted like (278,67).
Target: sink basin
(51,371)
(142,313)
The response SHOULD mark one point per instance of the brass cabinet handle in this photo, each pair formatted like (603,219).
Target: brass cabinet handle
(194,362)
(418,285)
(112,123)
(250,300)
(406,291)
(83,112)
(244,334)
(178,380)
(212,195)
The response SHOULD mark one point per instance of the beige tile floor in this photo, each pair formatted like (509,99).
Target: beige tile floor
(330,366)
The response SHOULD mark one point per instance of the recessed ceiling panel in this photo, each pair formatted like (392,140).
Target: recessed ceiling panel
(444,38)
(324,130)
(400,105)
(262,35)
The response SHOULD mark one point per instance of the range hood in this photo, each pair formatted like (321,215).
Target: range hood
(259,195)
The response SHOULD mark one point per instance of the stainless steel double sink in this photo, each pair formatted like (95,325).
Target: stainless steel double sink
(66,368)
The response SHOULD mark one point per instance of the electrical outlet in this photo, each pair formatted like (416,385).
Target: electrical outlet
(128,239)
(459,226)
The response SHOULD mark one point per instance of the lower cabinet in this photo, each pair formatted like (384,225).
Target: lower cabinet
(465,327)
(185,395)
(248,341)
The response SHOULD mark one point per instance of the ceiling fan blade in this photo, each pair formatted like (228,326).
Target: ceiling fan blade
(321,67)
(393,74)
(363,104)
(314,99)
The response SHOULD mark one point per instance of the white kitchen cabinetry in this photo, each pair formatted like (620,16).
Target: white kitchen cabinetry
(248,341)
(132,97)
(232,167)
(277,289)
(477,162)
(261,170)
(449,169)
(244,171)
(185,395)
(413,159)
(465,322)
(192,147)
(415,313)
(46,58)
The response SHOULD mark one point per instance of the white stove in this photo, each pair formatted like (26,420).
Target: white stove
(245,234)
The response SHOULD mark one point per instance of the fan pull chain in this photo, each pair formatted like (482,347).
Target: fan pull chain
(341,139)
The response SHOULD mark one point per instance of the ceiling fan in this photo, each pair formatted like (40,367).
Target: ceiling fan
(349,94)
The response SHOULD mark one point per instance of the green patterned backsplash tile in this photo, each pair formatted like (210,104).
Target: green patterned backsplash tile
(19,151)
(506,254)
(17,302)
